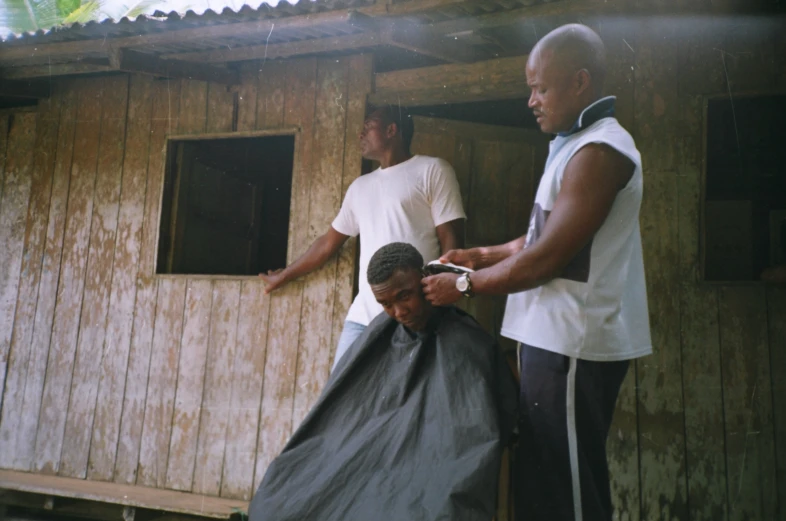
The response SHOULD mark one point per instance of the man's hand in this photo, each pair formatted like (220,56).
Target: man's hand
(466,258)
(440,289)
(273,280)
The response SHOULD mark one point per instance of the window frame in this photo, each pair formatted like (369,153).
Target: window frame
(294,131)
(702,257)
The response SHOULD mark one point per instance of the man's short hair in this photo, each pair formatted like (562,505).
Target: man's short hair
(403,120)
(391,258)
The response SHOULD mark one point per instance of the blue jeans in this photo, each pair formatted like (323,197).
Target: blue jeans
(350,333)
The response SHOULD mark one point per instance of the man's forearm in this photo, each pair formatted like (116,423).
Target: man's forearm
(317,254)
(486,256)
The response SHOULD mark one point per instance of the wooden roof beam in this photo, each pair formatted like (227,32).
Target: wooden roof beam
(501,78)
(284,50)
(25,89)
(133,61)
(44,71)
(419,39)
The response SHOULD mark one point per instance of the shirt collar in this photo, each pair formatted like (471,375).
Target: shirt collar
(602,108)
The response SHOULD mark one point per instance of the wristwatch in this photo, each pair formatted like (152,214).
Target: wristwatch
(464,285)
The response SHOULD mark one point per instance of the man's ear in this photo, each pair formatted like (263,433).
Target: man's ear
(392,130)
(583,80)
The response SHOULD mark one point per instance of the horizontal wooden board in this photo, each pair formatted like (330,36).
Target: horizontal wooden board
(130,495)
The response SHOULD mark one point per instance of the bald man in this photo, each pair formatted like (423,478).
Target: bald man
(577,301)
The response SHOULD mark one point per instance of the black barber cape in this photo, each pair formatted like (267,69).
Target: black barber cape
(410,427)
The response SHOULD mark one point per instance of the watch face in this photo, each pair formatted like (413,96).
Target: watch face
(461,284)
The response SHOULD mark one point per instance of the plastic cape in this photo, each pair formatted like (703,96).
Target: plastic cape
(410,427)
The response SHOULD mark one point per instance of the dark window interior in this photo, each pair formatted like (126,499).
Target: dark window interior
(745,206)
(226,206)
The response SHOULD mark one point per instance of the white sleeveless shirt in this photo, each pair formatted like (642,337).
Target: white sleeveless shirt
(596,309)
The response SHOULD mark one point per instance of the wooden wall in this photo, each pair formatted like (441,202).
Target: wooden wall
(112,373)
(700,431)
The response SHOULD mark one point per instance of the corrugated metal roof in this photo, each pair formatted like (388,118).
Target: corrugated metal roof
(160,21)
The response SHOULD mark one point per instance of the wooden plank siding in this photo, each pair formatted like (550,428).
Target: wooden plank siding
(187,383)
(195,384)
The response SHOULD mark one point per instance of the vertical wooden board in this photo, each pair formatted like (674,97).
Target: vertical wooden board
(519,188)
(622,449)
(656,105)
(279,385)
(314,346)
(247,100)
(190,384)
(487,222)
(54,404)
(462,164)
(12,398)
(749,55)
(248,373)
(5,121)
(13,212)
(701,360)
(299,111)
(700,60)
(220,108)
(162,382)
(358,87)
(776,310)
(164,119)
(747,401)
(193,106)
(271,94)
(98,280)
(704,429)
(214,426)
(620,66)
(47,287)
(117,342)
(660,409)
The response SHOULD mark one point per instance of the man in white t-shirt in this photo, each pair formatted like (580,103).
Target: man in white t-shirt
(411,199)
(577,300)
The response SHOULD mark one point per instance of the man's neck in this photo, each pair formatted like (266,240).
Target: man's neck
(393,157)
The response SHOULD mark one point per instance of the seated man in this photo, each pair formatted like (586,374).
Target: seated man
(412,422)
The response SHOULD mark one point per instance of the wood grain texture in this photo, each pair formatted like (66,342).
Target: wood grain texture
(316,315)
(776,313)
(128,239)
(161,384)
(747,403)
(141,497)
(214,426)
(13,213)
(12,408)
(50,275)
(247,100)
(278,392)
(98,280)
(299,111)
(272,78)
(358,87)
(248,376)
(65,330)
(164,119)
(659,377)
(190,384)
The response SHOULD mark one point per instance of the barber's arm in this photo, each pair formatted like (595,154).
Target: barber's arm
(590,184)
(317,254)
(484,256)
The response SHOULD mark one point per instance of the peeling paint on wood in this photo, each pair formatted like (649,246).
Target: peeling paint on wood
(12,401)
(65,330)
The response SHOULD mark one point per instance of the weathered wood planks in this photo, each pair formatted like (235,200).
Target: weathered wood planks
(12,408)
(98,280)
(117,342)
(65,330)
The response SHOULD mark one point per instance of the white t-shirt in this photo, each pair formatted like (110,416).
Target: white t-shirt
(403,203)
(597,308)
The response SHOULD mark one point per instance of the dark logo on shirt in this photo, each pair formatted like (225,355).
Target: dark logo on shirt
(579,267)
